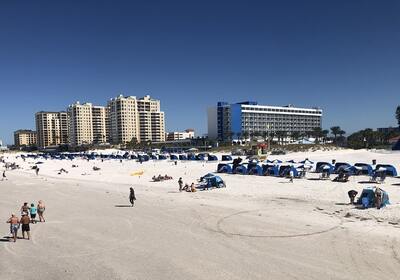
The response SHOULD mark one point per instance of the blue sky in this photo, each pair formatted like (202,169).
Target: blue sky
(342,56)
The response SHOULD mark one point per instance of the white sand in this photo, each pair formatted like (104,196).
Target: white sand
(256,228)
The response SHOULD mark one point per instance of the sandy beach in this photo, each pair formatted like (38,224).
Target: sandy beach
(256,228)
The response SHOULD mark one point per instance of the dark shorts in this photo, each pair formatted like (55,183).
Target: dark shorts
(26,227)
(33,216)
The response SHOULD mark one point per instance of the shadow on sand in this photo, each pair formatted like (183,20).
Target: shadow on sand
(123,205)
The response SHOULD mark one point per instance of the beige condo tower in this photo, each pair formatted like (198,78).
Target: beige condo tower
(51,128)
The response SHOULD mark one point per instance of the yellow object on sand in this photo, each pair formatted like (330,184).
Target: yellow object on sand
(137,173)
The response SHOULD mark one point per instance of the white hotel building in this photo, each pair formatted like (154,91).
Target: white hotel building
(229,121)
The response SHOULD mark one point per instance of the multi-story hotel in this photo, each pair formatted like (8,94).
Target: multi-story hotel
(25,137)
(123,119)
(100,123)
(229,121)
(151,120)
(87,124)
(179,135)
(51,128)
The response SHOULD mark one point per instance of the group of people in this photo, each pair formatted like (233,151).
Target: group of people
(186,187)
(377,200)
(160,178)
(28,216)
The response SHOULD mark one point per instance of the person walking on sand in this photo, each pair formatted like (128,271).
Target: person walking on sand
(132,196)
(37,171)
(14,226)
(40,210)
(25,208)
(180,182)
(4,176)
(33,211)
(25,221)
(378,198)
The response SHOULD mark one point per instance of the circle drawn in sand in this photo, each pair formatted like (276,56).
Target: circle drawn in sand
(274,224)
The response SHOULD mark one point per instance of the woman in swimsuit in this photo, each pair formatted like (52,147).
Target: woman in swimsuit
(40,210)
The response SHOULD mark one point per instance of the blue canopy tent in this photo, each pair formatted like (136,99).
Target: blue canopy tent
(134,157)
(226,158)
(241,169)
(211,181)
(144,157)
(341,165)
(224,168)
(390,170)
(276,161)
(173,157)
(153,157)
(291,161)
(256,169)
(162,157)
(212,158)
(183,157)
(191,157)
(368,194)
(270,170)
(284,170)
(364,169)
(200,157)
(320,167)
(306,161)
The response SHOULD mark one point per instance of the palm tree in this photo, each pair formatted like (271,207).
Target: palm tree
(335,131)
(325,133)
(341,133)
(317,133)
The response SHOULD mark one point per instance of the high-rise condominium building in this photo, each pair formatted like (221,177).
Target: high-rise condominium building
(230,121)
(151,120)
(100,123)
(132,118)
(25,137)
(51,128)
(123,119)
(87,124)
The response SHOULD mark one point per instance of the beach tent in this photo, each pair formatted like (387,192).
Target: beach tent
(320,166)
(390,170)
(212,158)
(210,180)
(256,169)
(183,157)
(291,161)
(224,168)
(306,162)
(133,157)
(369,194)
(153,157)
(270,170)
(200,157)
(285,169)
(191,157)
(162,157)
(364,169)
(341,165)
(226,158)
(275,161)
(144,157)
(241,169)
(173,157)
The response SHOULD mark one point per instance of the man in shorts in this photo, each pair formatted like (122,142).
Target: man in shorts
(14,226)
(25,221)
